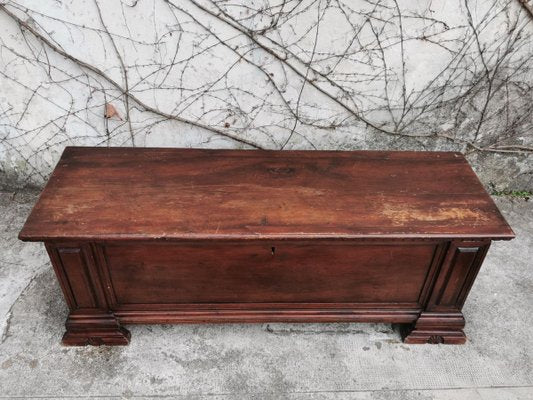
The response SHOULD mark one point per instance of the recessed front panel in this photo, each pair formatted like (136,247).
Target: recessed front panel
(260,272)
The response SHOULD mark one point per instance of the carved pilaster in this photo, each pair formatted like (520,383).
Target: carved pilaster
(442,320)
(90,321)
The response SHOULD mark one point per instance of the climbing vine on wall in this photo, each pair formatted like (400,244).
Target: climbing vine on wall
(276,74)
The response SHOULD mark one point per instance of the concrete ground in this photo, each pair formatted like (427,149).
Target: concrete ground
(267,361)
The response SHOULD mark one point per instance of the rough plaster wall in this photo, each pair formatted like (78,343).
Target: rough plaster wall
(276,74)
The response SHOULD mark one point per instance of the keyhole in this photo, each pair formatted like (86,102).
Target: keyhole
(273,249)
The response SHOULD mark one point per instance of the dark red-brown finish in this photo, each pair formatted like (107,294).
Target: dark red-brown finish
(183,235)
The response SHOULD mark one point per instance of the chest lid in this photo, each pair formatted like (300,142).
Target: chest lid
(181,194)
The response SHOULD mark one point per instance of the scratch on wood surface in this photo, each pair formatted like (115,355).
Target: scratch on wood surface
(401,214)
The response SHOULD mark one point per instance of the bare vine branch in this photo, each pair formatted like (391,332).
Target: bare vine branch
(123,91)
(275,74)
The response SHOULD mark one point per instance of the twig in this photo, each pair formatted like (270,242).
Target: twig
(102,74)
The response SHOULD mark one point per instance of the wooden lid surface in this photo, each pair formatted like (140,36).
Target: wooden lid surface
(174,194)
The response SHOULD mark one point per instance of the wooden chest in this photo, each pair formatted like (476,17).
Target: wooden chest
(180,235)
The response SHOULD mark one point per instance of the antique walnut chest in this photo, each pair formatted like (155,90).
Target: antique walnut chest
(152,235)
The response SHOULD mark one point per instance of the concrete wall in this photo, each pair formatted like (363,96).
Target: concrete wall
(276,74)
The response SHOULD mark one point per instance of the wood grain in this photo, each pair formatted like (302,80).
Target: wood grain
(176,194)
(268,272)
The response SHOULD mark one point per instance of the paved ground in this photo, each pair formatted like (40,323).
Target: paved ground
(267,361)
